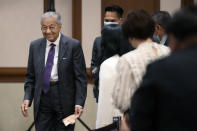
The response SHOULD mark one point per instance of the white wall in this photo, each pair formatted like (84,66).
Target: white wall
(20,24)
(170,5)
(64,7)
(91,26)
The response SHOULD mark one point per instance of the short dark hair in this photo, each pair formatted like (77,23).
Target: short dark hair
(162,18)
(184,23)
(138,24)
(111,37)
(115,8)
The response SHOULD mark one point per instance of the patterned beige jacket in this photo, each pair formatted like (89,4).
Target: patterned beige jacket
(131,68)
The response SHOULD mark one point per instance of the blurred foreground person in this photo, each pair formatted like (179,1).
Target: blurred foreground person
(138,28)
(166,99)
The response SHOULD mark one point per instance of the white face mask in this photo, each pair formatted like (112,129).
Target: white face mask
(108,23)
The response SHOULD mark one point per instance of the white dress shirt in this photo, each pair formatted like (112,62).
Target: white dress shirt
(163,40)
(54,72)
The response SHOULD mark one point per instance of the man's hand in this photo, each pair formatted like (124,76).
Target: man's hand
(78,111)
(24,107)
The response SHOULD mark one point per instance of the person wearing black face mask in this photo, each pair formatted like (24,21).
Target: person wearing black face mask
(113,15)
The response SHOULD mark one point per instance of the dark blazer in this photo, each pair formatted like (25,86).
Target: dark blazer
(71,74)
(97,54)
(167,97)
(96,57)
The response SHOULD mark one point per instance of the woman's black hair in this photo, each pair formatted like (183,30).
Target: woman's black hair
(111,37)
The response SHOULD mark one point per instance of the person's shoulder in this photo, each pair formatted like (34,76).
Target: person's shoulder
(126,59)
(131,56)
(97,40)
(163,47)
(162,64)
(37,41)
(71,42)
(156,68)
(69,39)
(111,61)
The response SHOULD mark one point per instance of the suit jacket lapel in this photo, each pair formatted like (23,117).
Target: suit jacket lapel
(62,48)
(42,50)
(62,51)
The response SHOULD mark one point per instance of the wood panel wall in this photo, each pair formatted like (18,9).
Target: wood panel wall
(186,3)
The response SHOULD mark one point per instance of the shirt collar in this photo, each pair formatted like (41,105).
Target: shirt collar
(56,42)
(163,40)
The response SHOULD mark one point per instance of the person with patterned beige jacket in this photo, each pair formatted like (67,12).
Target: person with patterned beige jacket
(138,28)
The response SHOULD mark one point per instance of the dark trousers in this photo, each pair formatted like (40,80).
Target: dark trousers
(50,113)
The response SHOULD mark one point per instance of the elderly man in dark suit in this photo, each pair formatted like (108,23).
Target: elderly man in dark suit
(167,97)
(56,77)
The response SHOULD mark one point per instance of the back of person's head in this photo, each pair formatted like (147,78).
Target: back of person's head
(138,24)
(184,23)
(111,37)
(115,8)
(162,18)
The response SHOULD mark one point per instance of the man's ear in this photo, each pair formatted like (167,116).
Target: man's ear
(60,26)
(157,27)
(160,31)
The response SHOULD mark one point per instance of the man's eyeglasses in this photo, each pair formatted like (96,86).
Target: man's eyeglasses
(52,27)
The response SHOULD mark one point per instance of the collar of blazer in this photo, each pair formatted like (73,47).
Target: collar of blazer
(42,49)
(62,46)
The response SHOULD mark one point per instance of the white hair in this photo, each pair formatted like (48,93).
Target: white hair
(51,14)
